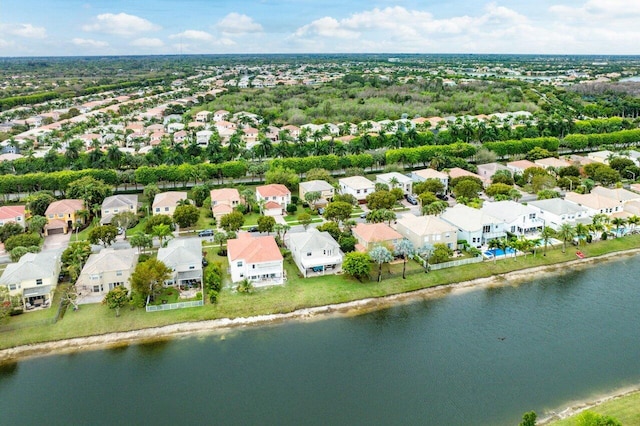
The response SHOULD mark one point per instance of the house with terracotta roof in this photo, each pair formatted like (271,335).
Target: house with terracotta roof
(427,230)
(370,234)
(424,174)
(486,171)
(104,271)
(457,172)
(556,163)
(12,214)
(358,186)
(203,116)
(223,201)
(166,202)
(294,131)
(275,196)
(61,215)
(257,259)
(315,252)
(180,136)
(220,115)
(115,204)
(518,167)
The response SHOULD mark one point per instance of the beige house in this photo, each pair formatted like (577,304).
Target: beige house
(595,203)
(423,230)
(424,174)
(223,201)
(166,202)
(61,215)
(104,271)
(326,190)
(370,234)
(34,278)
(115,204)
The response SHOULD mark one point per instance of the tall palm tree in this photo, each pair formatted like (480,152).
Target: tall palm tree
(618,222)
(633,221)
(582,231)
(404,248)
(566,232)
(546,234)
(380,254)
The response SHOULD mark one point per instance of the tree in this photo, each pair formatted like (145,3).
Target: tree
(93,191)
(529,419)
(266,224)
(159,219)
(163,232)
(232,221)
(380,254)
(357,265)
(186,215)
(284,176)
(546,194)
(404,248)
(467,189)
(498,189)
(332,228)
(141,240)
(22,240)
(74,257)
(125,220)
(305,220)
(104,234)
(319,174)
(199,193)
(435,186)
(381,200)
(441,253)
(149,277)
(38,202)
(311,197)
(150,191)
(10,229)
(36,224)
(589,418)
(338,211)
(220,237)
(7,302)
(566,232)
(435,208)
(546,234)
(116,299)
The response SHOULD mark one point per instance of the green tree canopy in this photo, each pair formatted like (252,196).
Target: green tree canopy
(116,299)
(104,234)
(232,221)
(149,277)
(93,191)
(357,265)
(186,215)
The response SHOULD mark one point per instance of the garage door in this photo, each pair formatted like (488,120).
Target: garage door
(55,231)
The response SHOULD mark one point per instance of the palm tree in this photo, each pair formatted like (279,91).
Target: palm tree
(436,208)
(380,254)
(546,234)
(633,221)
(162,231)
(404,248)
(535,243)
(494,245)
(618,222)
(582,231)
(566,232)
(425,252)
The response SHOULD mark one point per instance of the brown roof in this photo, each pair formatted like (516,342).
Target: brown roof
(253,249)
(65,206)
(11,212)
(273,190)
(272,205)
(376,232)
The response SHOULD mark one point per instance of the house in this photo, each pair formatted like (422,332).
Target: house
(275,196)
(166,202)
(326,190)
(370,234)
(62,214)
(204,116)
(257,259)
(180,136)
(12,214)
(556,163)
(358,186)
(518,167)
(294,131)
(519,218)
(34,277)
(457,172)
(621,195)
(424,174)
(595,203)
(474,226)
(396,180)
(184,257)
(220,115)
(203,137)
(117,204)
(601,156)
(423,230)
(104,271)
(556,211)
(486,171)
(223,201)
(315,252)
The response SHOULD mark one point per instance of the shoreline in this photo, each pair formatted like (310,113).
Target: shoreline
(355,307)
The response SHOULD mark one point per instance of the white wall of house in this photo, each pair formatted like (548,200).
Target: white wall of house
(263,273)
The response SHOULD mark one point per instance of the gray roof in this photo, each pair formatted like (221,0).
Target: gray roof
(120,200)
(316,185)
(32,266)
(312,240)
(507,210)
(557,206)
(467,218)
(110,259)
(180,251)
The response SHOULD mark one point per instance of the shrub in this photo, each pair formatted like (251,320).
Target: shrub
(22,240)
(213,296)
(292,208)
(143,257)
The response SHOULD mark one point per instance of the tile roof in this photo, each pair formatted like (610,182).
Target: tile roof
(273,190)
(11,212)
(376,232)
(253,249)
(65,206)
(169,199)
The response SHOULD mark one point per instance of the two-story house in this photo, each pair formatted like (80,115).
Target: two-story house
(427,230)
(556,211)
(184,257)
(474,226)
(258,259)
(62,214)
(396,180)
(223,201)
(424,174)
(358,186)
(166,202)
(595,203)
(370,234)
(326,190)
(519,219)
(34,277)
(315,252)
(275,198)
(12,214)
(104,271)
(115,204)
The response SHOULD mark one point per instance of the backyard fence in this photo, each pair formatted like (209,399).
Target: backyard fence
(451,264)
(171,306)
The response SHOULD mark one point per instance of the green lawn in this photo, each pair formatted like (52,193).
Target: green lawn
(138,228)
(625,409)
(297,293)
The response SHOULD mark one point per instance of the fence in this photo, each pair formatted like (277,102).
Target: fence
(459,262)
(171,306)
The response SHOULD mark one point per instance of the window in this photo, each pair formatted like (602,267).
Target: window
(39,281)
(253,266)
(157,209)
(486,228)
(166,209)
(308,253)
(119,273)
(12,286)
(97,288)
(239,264)
(50,216)
(115,210)
(106,211)
(191,267)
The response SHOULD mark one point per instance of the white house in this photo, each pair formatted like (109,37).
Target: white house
(396,180)
(276,197)
(474,226)
(556,211)
(184,257)
(203,136)
(315,252)
(519,218)
(358,186)
(34,277)
(595,203)
(104,271)
(257,259)
(427,230)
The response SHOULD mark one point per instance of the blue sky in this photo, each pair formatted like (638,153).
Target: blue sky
(115,27)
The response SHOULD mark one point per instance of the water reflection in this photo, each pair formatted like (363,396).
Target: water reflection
(8,369)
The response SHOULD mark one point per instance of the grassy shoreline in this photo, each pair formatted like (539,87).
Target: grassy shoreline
(623,406)
(297,294)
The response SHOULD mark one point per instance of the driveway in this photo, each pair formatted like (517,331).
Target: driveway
(56,241)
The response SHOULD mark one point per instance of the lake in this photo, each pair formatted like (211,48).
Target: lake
(481,356)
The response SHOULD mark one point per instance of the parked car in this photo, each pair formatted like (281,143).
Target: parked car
(412,200)
(321,211)
(442,197)
(363,215)
(206,233)
(253,229)
(205,262)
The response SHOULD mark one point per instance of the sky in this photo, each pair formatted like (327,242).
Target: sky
(148,27)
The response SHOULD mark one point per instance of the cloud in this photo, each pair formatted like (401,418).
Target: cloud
(602,11)
(23,30)
(87,42)
(121,24)
(235,23)
(326,27)
(194,35)
(147,42)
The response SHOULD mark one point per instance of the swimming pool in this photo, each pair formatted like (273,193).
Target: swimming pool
(498,252)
